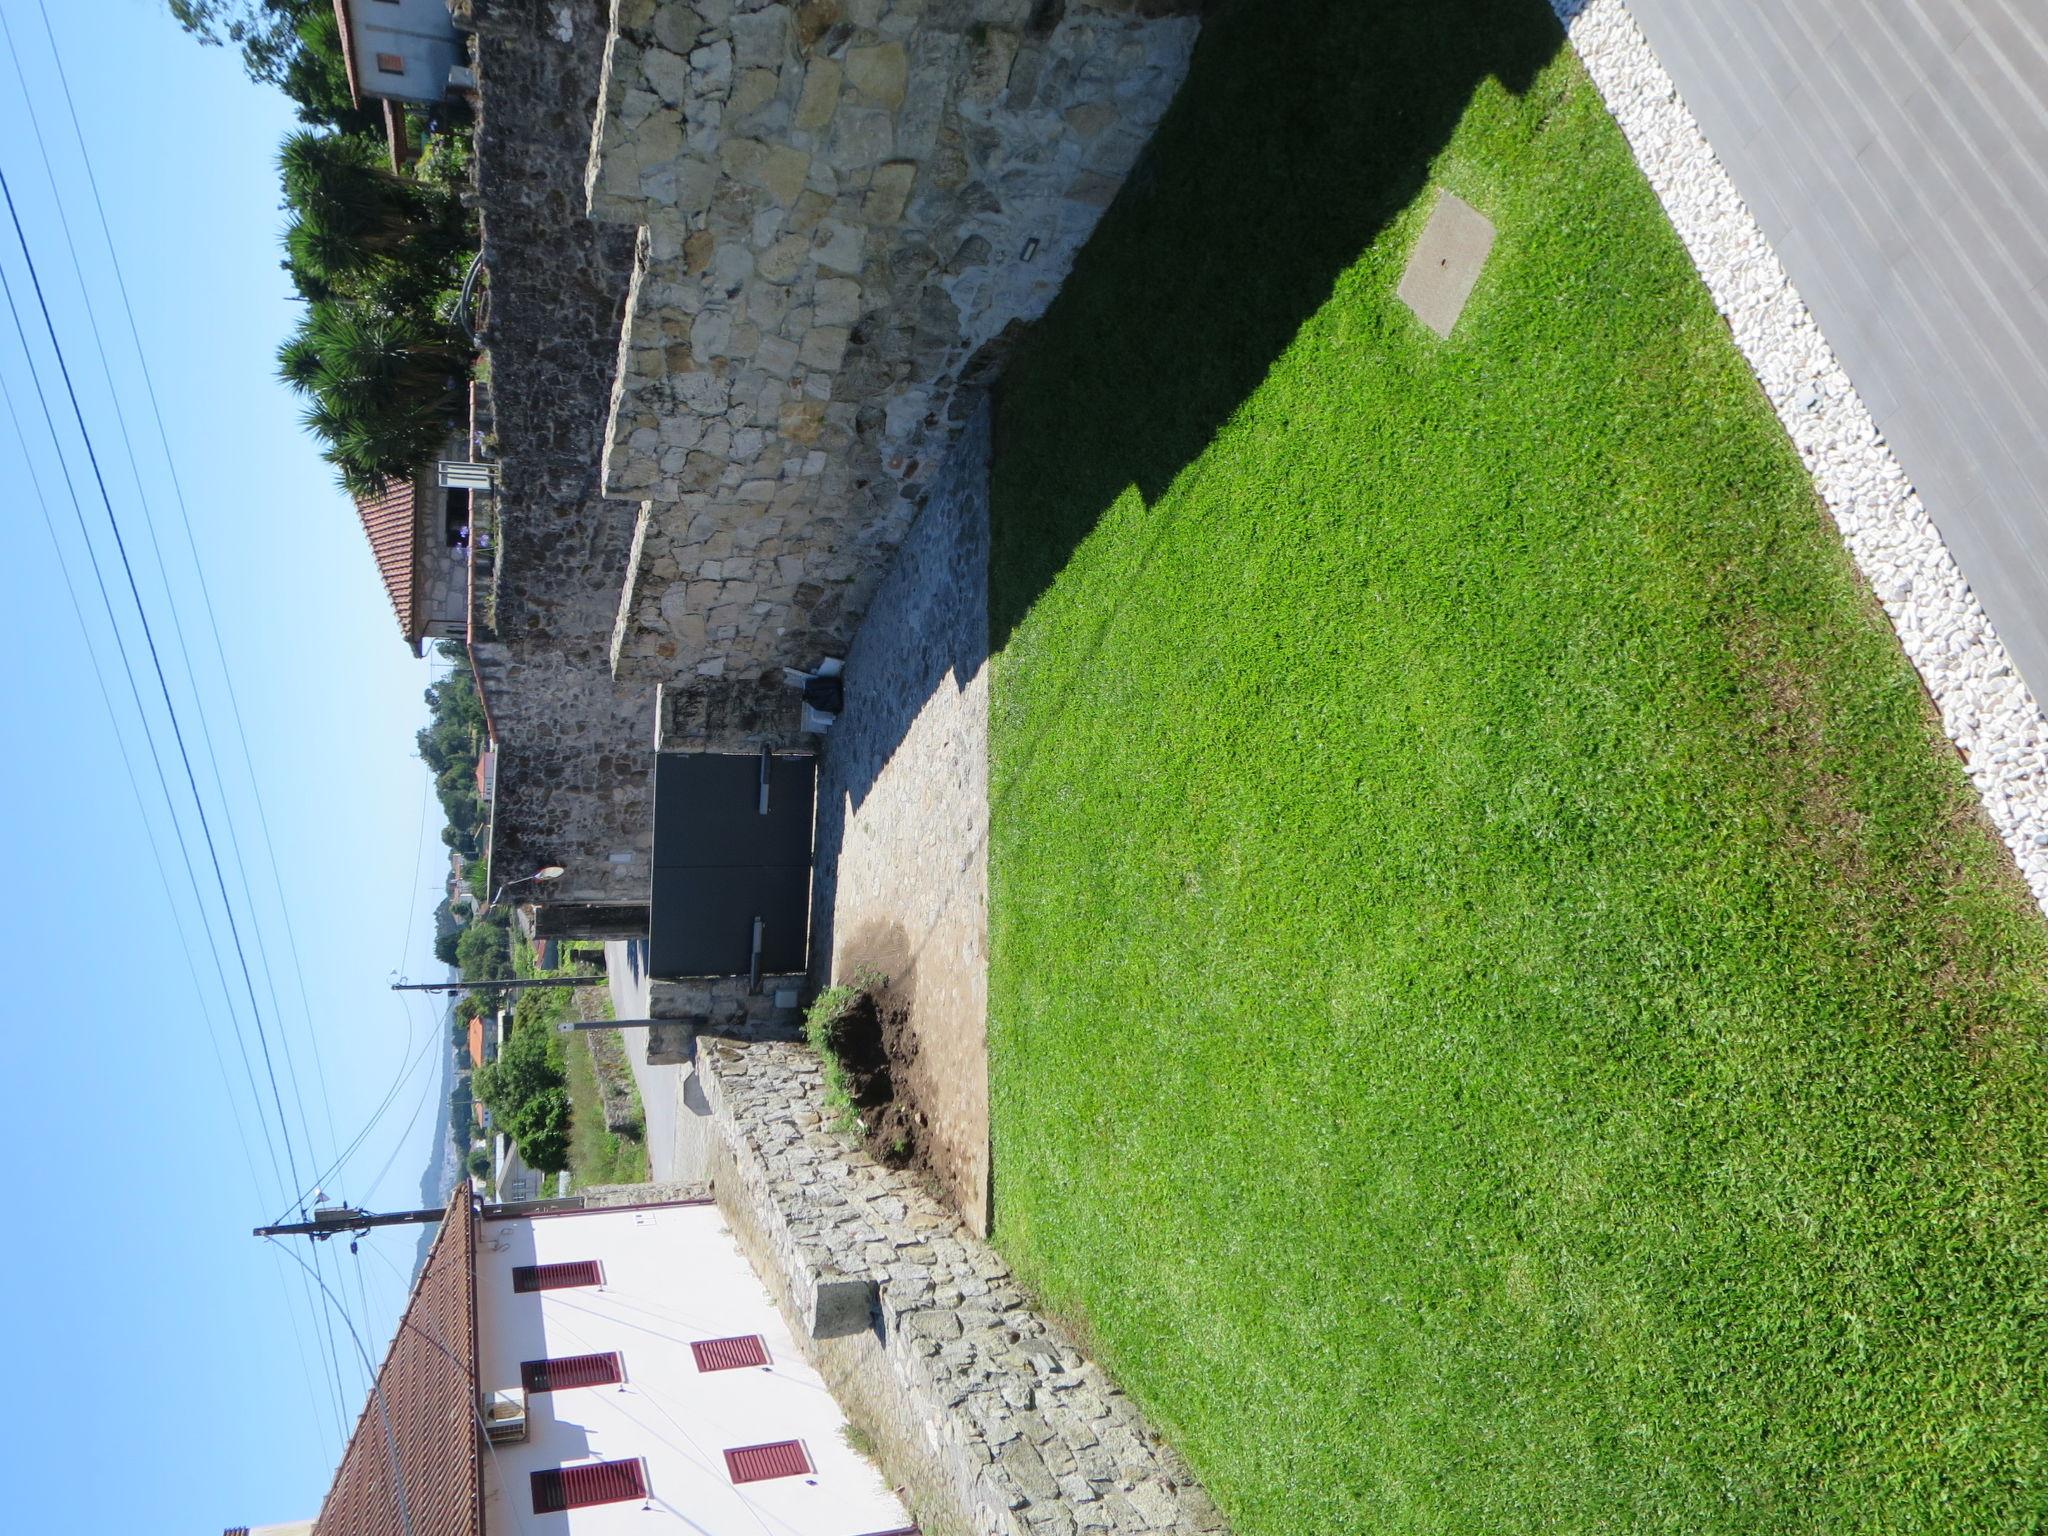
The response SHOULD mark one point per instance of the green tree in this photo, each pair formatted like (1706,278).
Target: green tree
(294,45)
(385,387)
(375,254)
(363,231)
(265,31)
(483,950)
(316,77)
(444,946)
(528,1095)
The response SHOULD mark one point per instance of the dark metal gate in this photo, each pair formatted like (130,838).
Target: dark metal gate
(732,864)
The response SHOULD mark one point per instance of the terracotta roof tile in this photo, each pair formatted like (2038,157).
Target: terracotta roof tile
(388,518)
(428,1386)
(348,50)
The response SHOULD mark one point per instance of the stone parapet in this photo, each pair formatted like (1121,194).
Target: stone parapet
(726,1003)
(999,1424)
(845,208)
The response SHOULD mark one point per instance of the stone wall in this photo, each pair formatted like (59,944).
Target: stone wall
(844,208)
(725,1003)
(575,749)
(999,1424)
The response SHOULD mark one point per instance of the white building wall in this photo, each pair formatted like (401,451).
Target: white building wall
(671,1275)
(420,32)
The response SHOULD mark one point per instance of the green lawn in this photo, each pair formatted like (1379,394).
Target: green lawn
(1504,1014)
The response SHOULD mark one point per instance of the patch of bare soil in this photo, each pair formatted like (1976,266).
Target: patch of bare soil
(877,1043)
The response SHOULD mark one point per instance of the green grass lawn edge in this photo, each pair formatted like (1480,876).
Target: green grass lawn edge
(1504,1013)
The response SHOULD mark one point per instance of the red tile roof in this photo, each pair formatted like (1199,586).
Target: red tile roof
(428,1387)
(388,518)
(348,50)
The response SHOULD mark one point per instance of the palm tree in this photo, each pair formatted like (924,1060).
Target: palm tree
(375,255)
(384,388)
(357,224)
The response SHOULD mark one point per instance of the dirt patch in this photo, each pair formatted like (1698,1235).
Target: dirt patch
(878,1039)
(877,1047)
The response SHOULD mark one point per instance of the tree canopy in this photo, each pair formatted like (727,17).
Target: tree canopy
(528,1094)
(377,255)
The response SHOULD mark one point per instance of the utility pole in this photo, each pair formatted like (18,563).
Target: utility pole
(509,984)
(330,1219)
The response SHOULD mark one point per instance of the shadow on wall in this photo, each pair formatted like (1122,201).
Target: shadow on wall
(1305,126)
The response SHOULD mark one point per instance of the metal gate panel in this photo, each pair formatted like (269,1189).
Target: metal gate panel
(732,845)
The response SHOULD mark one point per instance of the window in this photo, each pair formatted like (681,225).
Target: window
(730,1354)
(391,63)
(758,1463)
(555,1277)
(596,1482)
(571,1371)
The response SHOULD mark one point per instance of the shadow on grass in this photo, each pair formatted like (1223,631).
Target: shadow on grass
(1305,126)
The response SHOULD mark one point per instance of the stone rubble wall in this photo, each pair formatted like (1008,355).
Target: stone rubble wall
(726,1002)
(1002,1427)
(844,207)
(574,749)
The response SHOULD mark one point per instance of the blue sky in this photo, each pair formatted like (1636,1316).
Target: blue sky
(137,1291)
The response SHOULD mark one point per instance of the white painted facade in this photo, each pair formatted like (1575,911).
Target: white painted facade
(671,1275)
(419,36)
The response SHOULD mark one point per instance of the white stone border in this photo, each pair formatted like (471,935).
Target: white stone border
(1986,708)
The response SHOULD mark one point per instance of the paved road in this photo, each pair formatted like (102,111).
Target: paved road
(678,1119)
(1897,157)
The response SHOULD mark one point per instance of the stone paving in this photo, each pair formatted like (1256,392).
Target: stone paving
(1001,1426)
(902,868)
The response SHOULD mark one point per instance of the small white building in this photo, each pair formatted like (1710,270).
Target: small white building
(401,50)
(583,1373)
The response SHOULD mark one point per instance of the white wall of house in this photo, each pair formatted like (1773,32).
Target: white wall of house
(672,1275)
(418,35)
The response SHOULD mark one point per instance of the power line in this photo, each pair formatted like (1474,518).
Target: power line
(134,783)
(156,662)
(205,732)
(149,734)
(157,666)
(198,567)
(376,1388)
(336,1405)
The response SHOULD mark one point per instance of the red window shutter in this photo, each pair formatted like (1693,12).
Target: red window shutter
(571,1371)
(758,1463)
(595,1482)
(390,63)
(730,1354)
(555,1277)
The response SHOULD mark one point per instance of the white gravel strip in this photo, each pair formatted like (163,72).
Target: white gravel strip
(1987,710)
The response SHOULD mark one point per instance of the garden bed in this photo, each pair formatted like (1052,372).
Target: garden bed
(865,1033)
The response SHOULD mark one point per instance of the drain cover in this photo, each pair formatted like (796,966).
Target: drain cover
(1446,262)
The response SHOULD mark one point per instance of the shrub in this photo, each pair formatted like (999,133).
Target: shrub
(824,1026)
